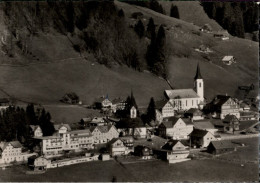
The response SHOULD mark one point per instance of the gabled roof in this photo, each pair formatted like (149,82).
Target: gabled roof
(199,133)
(227,58)
(203,125)
(170,144)
(113,141)
(34,127)
(102,129)
(85,131)
(15,144)
(181,93)
(160,104)
(57,127)
(222,144)
(173,120)
(219,100)
(194,111)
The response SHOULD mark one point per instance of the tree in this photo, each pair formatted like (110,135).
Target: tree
(139,29)
(150,31)
(70,16)
(121,13)
(30,115)
(174,12)
(151,114)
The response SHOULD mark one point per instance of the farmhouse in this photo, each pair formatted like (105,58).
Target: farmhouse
(201,138)
(116,147)
(220,147)
(103,134)
(194,114)
(175,151)
(222,105)
(205,125)
(228,60)
(35,131)
(176,128)
(13,152)
(231,123)
(184,99)
(38,163)
(163,109)
(103,103)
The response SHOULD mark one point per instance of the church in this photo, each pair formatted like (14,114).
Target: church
(184,99)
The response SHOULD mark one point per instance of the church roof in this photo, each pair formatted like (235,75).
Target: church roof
(181,93)
(198,75)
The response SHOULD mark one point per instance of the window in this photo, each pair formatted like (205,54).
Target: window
(199,84)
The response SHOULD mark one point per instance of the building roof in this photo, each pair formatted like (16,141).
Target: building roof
(199,133)
(219,100)
(58,126)
(47,137)
(173,120)
(102,129)
(227,58)
(34,127)
(222,144)
(181,93)
(160,104)
(80,131)
(198,75)
(203,125)
(155,142)
(194,111)
(170,144)
(15,144)
(113,141)
(118,100)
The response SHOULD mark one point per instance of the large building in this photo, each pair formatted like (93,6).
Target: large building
(176,128)
(184,99)
(13,152)
(103,134)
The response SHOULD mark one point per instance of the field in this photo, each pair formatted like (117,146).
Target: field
(194,170)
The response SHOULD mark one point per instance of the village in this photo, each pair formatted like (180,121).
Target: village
(179,128)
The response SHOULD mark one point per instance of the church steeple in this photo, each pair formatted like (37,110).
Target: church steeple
(198,75)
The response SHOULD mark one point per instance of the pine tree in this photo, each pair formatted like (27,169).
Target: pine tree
(121,13)
(139,29)
(150,31)
(174,12)
(151,114)
(70,16)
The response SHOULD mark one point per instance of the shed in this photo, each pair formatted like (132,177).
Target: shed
(220,147)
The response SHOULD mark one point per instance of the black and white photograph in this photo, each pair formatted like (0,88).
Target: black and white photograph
(129,91)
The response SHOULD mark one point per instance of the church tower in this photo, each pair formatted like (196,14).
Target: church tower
(199,84)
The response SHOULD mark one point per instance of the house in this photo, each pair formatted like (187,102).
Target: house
(220,147)
(194,114)
(205,125)
(103,103)
(118,104)
(143,151)
(176,128)
(116,147)
(97,121)
(206,28)
(231,123)
(201,138)
(35,131)
(222,105)
(129,143)
(103,134)
(38,163)
(248,115)
(62,128)
(184,99)
(11,152)
(228,60)
(163,109)
(175,151)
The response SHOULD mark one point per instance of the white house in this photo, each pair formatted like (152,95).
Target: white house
(201,138)
(164,109)
(205,125)
(36,130)
(228,60)
(103,134)
(184,99)
(116,147)
(176,128)
(12,152)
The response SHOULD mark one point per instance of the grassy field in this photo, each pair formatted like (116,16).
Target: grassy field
(192,171)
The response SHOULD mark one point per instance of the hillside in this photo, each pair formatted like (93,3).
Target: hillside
(54,67)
